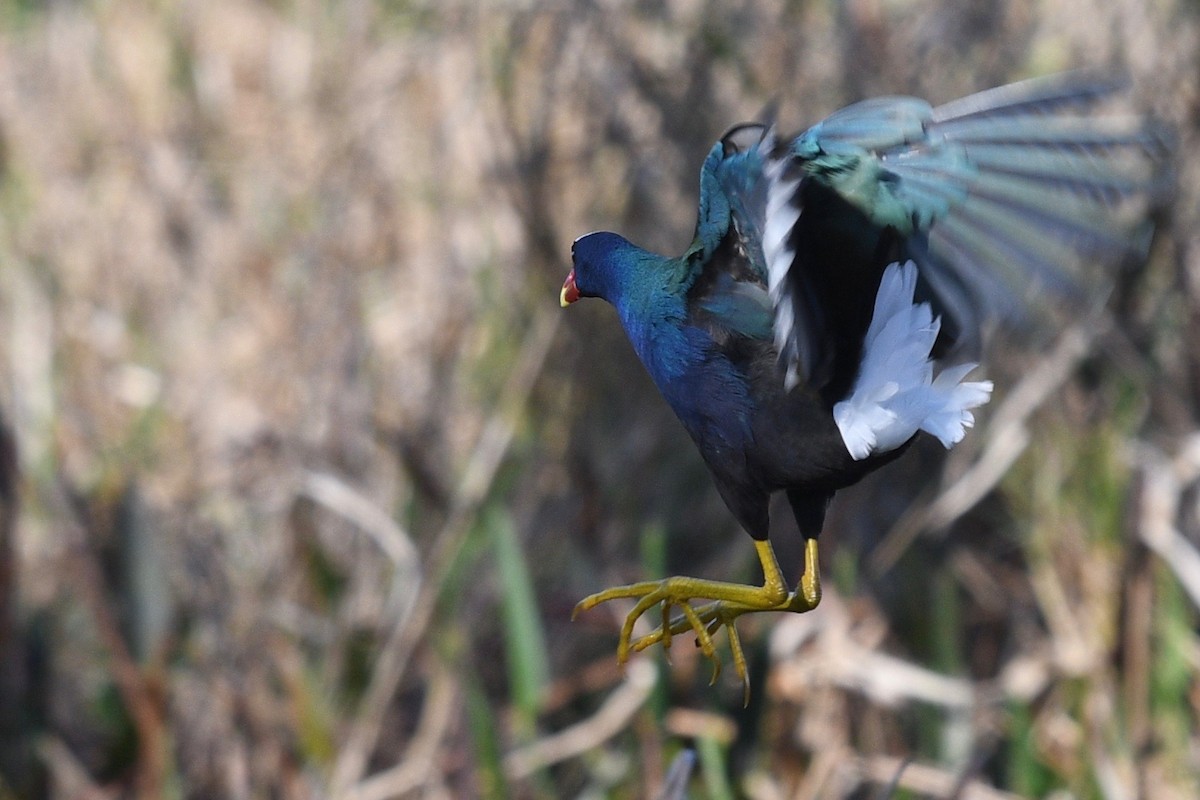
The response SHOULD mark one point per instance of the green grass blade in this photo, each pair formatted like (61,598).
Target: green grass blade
(713,768)
(485,737)
(525,643)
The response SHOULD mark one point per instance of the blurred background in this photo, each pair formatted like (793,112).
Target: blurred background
(302,468)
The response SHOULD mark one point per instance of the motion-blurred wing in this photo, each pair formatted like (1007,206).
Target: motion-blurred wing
(1003,198)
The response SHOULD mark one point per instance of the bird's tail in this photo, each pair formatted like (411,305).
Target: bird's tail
(896,393)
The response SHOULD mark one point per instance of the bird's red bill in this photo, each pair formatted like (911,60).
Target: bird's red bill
(570,292)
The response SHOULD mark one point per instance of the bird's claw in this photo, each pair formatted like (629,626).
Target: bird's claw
(650,594)
(727,602)
(703,621)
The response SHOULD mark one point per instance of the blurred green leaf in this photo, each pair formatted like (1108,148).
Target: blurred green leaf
(714,768)
(1026,775)
(1173,670)
(314,716)
(525,639)
(484,730)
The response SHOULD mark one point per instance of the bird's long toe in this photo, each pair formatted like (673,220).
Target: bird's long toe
(626,592)
(725,603)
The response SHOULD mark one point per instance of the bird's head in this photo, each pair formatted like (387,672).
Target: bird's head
(603,265)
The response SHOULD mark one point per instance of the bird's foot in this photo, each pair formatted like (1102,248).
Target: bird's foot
(728,601)
(705,620)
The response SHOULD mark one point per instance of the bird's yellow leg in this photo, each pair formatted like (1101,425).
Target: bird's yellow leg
(808,593)
(806,597)
(728,602)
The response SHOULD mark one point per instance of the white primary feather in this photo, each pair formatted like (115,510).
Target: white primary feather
(781,216)
(896,394)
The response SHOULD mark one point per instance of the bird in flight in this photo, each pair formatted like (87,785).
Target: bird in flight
(829,308)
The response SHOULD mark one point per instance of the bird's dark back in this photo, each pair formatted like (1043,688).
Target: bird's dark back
(845,255)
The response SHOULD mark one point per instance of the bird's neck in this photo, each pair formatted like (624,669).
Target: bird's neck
(653,310)
(680,359)
(654,327)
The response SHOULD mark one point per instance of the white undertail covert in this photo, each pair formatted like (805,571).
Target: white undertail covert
(896,393)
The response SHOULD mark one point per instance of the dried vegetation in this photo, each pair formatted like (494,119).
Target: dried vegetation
(303,468)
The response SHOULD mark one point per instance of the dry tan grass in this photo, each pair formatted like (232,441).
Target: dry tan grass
(282,361)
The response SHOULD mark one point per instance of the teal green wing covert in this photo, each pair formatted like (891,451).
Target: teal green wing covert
(1025,193)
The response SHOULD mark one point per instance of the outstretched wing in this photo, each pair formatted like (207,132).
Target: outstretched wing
(728,289)
(1001,198)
